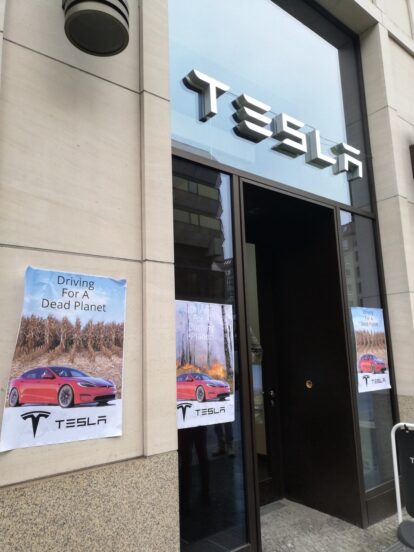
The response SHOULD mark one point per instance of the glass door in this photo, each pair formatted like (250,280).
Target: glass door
(211,457)
(263,373)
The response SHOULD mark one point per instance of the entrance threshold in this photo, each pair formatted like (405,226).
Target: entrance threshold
(289,526)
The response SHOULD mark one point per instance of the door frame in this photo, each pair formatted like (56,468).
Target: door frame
(238,178)
(335,209)
(274,417)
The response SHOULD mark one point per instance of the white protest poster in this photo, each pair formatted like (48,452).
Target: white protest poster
(371,349)
(66,375)
(204,363)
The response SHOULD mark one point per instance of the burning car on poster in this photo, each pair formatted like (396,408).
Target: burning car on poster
(204,363)
(201,387)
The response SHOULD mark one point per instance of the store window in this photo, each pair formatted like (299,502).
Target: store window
(294,61)
(212,490)
(375,414)
(282,63)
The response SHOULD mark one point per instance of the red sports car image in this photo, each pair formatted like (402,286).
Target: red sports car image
(59,385)
(372,364)
(201,387)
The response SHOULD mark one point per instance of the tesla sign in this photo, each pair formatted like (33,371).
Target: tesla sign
(254,125)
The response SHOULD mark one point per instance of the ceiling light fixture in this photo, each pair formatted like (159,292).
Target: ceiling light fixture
(97,27)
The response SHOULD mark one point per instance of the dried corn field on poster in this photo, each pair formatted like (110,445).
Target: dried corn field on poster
(371,349)
(66,375)
(204,363)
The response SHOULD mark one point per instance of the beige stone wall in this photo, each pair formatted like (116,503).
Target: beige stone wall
(2,8)
(388,68)
(398,11)
(85,186)
(119,507)
(406,407)
(397,16)
(403,204)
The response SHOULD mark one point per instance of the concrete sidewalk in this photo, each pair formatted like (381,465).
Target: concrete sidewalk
(291,527)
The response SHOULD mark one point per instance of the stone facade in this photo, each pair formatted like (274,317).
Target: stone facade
(130,505)
(85,185)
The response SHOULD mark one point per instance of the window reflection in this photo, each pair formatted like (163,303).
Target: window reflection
(374,408)
(212,495)
(361,272)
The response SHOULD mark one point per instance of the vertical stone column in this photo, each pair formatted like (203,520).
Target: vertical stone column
(160,431)
(2,10)
(383,63)
(85,186)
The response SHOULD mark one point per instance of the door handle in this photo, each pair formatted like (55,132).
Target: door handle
(272,397)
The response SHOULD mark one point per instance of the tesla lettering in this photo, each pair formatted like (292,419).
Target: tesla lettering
(210,411)
(80,422)
(252,122)
(314,155)
(347,162)
(292,141)
(251,118)
(210,89)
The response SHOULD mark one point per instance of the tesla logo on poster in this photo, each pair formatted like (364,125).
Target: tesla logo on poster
(183,407)
(35,417)
(204,363)
(371,349)
(68,358)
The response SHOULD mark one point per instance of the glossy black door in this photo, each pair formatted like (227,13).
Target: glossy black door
(310,443)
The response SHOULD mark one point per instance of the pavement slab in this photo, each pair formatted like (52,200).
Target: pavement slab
(291,527)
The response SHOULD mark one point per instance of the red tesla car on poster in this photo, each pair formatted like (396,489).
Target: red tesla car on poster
(60,385)
(372,364)
(201,387)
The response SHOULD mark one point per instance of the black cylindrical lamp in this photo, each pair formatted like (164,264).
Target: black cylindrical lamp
(97,27)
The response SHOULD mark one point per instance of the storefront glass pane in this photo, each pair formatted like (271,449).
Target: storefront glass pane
(276,60)
(375,414)
(212,492)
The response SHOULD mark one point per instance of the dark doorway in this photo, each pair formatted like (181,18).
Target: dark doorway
(304,428)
